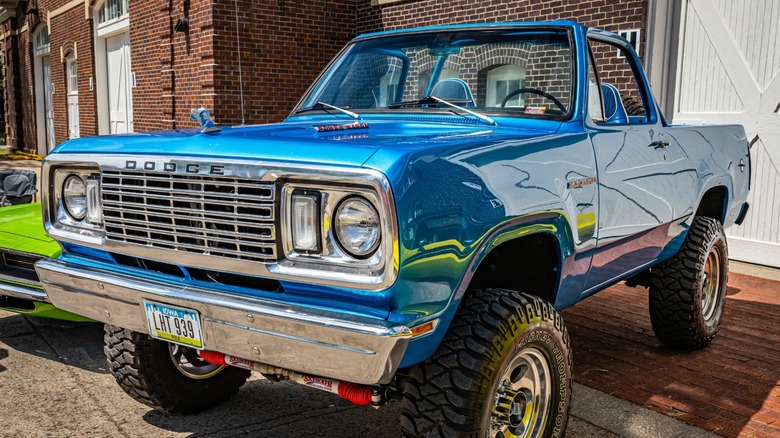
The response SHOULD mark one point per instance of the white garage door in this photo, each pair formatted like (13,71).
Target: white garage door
(728,73)
(120,99)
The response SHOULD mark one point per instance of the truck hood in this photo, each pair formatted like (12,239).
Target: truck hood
(312,140)
(21,229)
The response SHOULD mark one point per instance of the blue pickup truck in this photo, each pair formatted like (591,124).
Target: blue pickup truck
(410,231)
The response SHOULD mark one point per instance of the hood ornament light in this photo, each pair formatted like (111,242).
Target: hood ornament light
(203,116)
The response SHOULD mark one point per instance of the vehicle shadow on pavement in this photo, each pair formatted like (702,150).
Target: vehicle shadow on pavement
(76,344)
(261,408)
(3,355)
(730,387)
(271,409)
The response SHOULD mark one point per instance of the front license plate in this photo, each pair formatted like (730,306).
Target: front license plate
(174,324)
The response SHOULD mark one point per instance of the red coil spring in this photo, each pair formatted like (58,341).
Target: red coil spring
(357,394)
(213,357)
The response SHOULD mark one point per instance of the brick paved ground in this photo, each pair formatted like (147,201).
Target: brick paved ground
(732,387)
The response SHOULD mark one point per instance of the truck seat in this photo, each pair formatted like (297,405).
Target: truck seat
(614,111)
(454,90)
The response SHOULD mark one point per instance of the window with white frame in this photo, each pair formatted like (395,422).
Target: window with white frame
(73,84)
(501,82)
(632,36)
(41,41)
(112,10)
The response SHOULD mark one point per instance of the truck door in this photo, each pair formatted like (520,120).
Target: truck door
(634,176)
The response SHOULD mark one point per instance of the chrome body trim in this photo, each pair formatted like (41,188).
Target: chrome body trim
(331,199)
(22,292)
(332,268)
(308,340)
(12,285)
(212,214)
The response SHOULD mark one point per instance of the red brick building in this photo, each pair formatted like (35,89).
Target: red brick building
(86,67)
(81,67)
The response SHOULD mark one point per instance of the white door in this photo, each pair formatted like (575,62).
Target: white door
(730,73)
(48,101)
(120,99)
(73,98)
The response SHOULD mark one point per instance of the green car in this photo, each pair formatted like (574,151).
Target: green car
(22,243)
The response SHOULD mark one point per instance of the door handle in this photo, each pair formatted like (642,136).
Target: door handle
(660,144)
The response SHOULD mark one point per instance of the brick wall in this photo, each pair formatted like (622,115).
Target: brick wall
(603,14)
(174,70)
(18,101)
(616,71)
(285,43)
(72,35)
(26,108)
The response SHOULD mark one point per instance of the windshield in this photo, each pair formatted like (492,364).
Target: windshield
(509,72)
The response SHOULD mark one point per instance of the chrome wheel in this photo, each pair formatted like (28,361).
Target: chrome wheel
(522,398)
(710,285)
(187,362)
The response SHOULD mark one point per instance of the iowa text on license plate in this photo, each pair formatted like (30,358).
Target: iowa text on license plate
(174,324)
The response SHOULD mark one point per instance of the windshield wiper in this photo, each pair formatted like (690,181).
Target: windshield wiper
(423,101)
(320,105)
(432,100)
(482,117)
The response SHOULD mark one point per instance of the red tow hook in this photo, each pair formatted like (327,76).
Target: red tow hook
(358,394)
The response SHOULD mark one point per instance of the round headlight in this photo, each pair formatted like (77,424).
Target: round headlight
(74,195)
(357,227)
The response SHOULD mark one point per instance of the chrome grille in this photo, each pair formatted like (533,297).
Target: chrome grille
(203,214)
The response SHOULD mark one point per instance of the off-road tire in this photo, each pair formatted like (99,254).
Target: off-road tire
(677,309)
(144,369)
(452,393)
(633,106)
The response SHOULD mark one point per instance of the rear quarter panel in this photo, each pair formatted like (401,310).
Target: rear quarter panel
(717,152)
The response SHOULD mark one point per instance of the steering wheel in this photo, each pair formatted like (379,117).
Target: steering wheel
(533,91)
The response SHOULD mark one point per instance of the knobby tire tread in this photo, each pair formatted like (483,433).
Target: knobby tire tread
(439,393)
(674,308)
(134,361)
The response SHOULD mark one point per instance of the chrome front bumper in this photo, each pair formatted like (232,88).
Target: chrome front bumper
(308,340)
(23,292)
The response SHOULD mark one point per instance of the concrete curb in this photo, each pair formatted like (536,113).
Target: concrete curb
(626,419)
(768,272)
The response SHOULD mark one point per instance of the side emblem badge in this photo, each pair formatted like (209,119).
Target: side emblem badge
(583,182)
